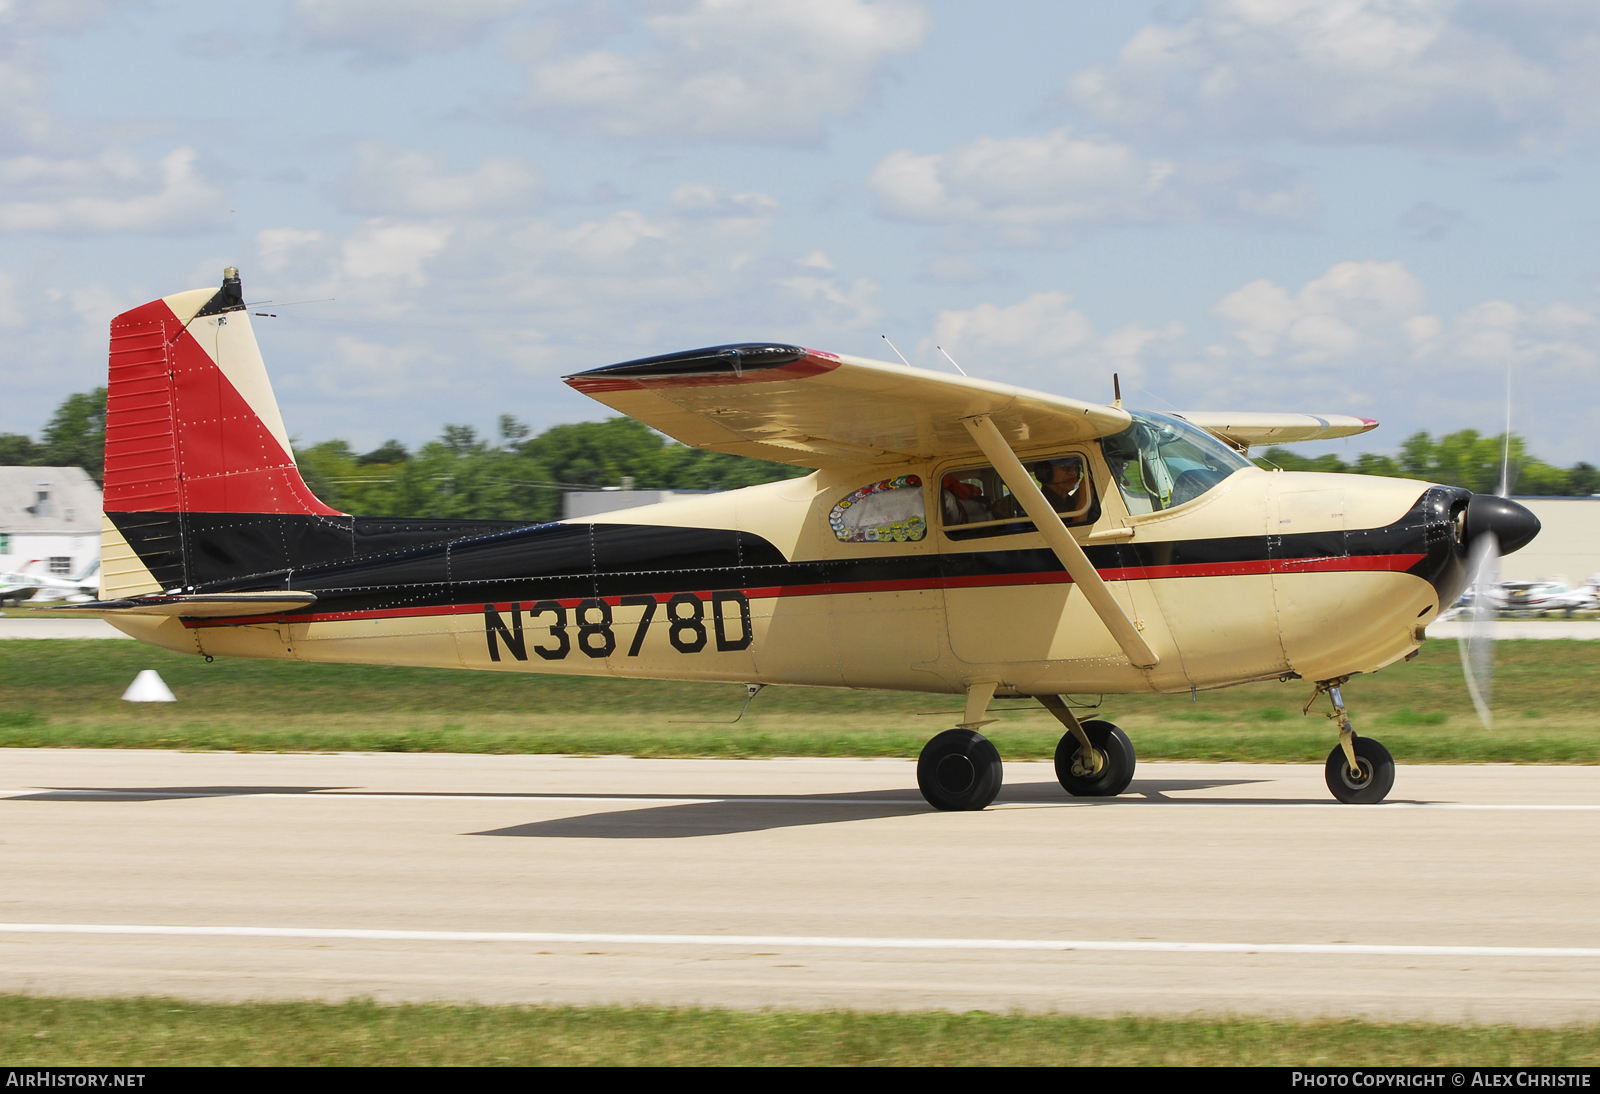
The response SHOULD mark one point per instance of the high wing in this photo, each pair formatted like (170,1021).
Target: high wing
(1243,429)
(817,409)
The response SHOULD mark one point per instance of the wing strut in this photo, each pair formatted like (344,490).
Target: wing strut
(1055,533)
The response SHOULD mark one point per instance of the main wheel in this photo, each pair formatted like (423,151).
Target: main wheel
(1073,766)
(959,769)
(1371,784)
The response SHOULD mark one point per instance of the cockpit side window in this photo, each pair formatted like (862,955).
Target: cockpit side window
(1159,462)
(975,502)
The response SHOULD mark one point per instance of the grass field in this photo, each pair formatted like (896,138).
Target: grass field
(67,694)
(152,1032)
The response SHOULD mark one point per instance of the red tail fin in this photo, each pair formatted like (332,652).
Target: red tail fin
(191,422)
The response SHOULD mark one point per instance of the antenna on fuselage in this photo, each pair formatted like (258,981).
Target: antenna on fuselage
(897,353)
(952,360)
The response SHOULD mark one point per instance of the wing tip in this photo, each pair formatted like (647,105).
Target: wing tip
(734,363)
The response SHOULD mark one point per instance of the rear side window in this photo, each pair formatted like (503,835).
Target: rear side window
(887,511)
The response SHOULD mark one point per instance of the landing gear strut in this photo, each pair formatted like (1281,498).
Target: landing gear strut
(1359,771)
(1095,758)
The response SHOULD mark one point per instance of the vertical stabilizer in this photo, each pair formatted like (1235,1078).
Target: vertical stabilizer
(194,440)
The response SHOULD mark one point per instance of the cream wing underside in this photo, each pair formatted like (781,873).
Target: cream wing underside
(816,409)
(1243,429)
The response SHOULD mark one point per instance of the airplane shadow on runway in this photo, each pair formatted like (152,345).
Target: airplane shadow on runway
(157,793)
(760,813)
(724,815)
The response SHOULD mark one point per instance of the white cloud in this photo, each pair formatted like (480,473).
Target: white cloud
(1122,351)
(1044,342)
(375,359)
(834,306)
(96,305)
(389,30)
(1038,328)
(1026,186)
(276,248)
(732,216)
(386,250)
(1470,75)
(1332,316)
(702,199)
(752,70)
(112,193)
(606,241)
(1557,338)
(386,180)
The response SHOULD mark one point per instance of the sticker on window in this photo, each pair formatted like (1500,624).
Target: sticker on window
(883,512)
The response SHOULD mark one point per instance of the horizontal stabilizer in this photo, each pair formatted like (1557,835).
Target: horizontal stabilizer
(1243,429)
(201,605)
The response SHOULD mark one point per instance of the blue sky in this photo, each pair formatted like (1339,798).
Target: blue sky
(1348,206)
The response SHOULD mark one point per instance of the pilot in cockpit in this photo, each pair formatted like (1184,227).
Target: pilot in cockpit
(1060,482)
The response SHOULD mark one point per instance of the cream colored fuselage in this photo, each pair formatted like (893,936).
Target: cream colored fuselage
(1032,633)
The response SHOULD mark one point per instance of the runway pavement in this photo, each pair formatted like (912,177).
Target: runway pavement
(808,883)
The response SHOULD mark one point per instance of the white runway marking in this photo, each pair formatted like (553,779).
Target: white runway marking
(801,941)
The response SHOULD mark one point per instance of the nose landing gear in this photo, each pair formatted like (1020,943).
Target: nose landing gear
(1359,770)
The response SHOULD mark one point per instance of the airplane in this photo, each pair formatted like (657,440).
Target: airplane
(1540,597)
(956,536)
(1533,598)
(19,585)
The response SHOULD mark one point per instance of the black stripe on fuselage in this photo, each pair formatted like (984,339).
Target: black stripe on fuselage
(437,563)
(183,550)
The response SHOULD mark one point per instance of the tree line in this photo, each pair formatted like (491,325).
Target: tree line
(1465,458)
(519,476)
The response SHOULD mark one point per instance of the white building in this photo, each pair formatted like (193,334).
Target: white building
(49,518)
(1567,548)
(577,504)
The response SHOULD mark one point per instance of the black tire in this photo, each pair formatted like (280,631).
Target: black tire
(1375,781)
(1113,778)
(959,769)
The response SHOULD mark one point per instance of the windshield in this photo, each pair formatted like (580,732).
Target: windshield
(1160,462)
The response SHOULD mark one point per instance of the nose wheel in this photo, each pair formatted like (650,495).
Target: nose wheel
(1369,782)
(1359,770)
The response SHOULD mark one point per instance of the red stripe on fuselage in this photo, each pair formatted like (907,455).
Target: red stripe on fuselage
(1358,564)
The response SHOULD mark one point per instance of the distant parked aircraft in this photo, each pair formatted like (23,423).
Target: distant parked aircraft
(19,585)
